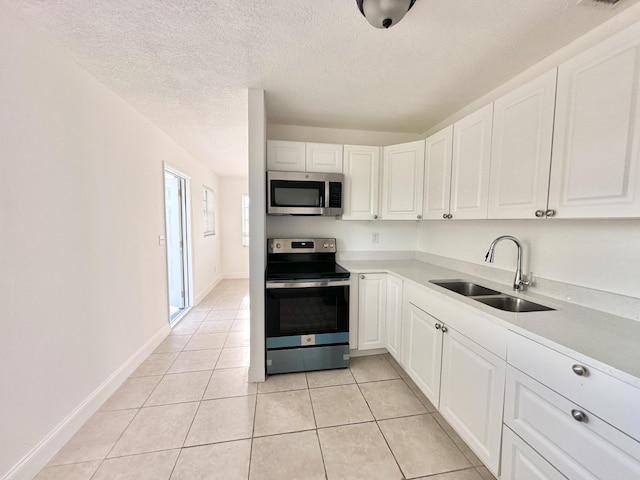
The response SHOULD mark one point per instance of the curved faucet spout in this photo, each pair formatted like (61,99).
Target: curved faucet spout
(519,282)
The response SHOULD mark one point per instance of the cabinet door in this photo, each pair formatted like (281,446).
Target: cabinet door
(361,182)
(402,181)
(596,144)
(422,350)
(437,174)
(521,150)
(285,156)
(472,395)
(394,317)
(324,157)
(372,300)
(521,462)
(470,164)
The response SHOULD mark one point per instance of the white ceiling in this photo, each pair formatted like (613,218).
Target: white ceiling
(186,64)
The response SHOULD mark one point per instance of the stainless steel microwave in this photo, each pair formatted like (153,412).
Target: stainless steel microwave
(304,193)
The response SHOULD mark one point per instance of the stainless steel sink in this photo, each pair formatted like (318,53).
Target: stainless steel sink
(468,289)
(512,304)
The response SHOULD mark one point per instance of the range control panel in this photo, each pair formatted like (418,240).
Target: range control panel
(301,245)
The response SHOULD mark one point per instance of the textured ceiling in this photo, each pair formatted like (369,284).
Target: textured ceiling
(186,64)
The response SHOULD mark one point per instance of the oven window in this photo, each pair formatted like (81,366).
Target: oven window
(297,194)
(305,311)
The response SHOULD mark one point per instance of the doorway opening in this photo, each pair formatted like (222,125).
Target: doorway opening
(177,222)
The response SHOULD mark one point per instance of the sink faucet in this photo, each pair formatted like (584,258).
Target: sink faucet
(519,282)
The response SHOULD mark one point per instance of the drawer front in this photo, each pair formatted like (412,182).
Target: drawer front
(521,462)
(614,401)
(588,449)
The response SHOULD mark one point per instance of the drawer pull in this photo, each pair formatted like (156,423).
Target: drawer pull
(579,416)
(438,326)
(444,329)
(579,370)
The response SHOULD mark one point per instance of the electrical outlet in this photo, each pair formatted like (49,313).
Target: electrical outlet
(375,237)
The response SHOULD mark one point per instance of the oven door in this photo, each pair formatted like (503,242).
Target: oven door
(319,308)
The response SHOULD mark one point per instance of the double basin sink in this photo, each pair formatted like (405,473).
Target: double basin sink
(490,297)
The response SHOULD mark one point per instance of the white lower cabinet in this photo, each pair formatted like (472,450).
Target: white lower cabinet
(574,440)
(393,316)
(462,379)
(472,395)
(521,462)
(422,350)
(372,305)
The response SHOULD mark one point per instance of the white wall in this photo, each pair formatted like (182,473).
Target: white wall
(82,276)
(235,261)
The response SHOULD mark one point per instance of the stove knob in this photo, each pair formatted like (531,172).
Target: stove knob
(331,245)
(326,245)
(278,245)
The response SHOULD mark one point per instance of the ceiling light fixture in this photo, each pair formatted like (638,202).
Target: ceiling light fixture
(384,13)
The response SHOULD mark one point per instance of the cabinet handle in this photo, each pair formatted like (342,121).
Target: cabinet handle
(444,329)
(579,416)
(375,217)
(438,326)
(579,370)
(449,216)
(361,277)
(550,213)
(444,215)
(419,217)
(539,213)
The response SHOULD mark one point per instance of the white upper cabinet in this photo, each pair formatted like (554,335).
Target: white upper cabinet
(285,156)
(470,165)
(437,174)
(323,157)
(596,144)
(402,181)
(361,182)
(521,150)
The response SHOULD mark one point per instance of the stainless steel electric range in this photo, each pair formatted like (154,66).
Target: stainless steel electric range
(307,306)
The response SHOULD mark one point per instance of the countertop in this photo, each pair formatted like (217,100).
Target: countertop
(606,342)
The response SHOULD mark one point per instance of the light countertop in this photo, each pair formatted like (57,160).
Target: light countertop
(606,342)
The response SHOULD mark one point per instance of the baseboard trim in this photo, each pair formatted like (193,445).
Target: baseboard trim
(235,276)
(207,290)
(39,456)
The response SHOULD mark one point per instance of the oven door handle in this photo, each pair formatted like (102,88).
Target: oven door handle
(313,283)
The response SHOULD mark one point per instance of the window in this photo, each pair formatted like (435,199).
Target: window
(208,210)
(245,220)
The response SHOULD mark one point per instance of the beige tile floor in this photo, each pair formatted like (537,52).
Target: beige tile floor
(188,413)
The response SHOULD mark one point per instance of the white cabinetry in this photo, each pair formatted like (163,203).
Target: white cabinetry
(471,394)
(437,174)
(402,181)
(288,156)
(596,146)
(581,420)
(361,182)
(444,354)
(372,305)
(323,157)
(521,150)
(285,156)
(393,317)
(422,350)
(470,165)
(521,462)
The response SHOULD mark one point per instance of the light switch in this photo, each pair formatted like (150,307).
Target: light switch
(161,240)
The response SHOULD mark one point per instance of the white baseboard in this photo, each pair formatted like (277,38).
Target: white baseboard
(207,290)
(39,456)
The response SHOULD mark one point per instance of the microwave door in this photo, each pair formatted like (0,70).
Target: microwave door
(289,197)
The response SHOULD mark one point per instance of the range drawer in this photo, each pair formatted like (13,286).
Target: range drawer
(575,441)
(521,462)
(616,402)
